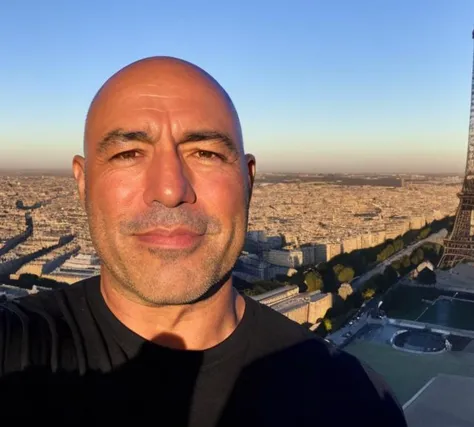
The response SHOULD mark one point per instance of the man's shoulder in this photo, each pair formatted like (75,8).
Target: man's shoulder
(293,361)
(52,302)
(35,328)
(285,341)
(276,331)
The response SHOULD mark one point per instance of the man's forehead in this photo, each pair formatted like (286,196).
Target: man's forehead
(152,92)
(152,113)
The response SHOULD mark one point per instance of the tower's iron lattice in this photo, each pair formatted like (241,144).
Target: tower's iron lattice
(460,244)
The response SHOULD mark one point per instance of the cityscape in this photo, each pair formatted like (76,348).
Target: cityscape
(352,258)
(361,219)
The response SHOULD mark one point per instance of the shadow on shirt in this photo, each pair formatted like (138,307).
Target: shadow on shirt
(298,386)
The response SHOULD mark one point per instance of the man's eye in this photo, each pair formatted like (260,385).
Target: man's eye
(208,155)
(126,155)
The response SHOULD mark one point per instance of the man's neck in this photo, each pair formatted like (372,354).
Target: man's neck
(196,326)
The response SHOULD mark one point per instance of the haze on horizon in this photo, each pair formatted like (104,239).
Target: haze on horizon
(320,87)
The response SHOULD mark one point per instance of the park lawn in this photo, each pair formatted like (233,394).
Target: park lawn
(406,372)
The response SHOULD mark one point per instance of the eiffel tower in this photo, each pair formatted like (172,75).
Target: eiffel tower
(460,244)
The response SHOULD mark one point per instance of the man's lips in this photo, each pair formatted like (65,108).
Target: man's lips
(176,238)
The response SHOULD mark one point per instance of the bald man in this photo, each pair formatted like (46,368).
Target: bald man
(162,335)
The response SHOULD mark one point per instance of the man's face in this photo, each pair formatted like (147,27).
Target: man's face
(166,185)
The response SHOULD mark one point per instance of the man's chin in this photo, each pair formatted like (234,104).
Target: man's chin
(172,286)
(168,255)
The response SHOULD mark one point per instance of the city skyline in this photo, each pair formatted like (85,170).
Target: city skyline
(320,88)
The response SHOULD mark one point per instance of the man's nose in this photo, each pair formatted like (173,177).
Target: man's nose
(167,180)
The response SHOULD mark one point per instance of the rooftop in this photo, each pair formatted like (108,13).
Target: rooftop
(442,402)
(274,292)
(406,373)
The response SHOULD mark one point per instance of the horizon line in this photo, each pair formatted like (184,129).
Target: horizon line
(68,171)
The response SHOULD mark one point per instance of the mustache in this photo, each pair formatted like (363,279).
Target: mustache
(159,217)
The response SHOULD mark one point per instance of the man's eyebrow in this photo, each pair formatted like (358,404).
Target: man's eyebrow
(120,135)
(210,135)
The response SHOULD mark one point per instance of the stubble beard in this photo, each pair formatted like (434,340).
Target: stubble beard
(164,277)
(171,278)
(176,284)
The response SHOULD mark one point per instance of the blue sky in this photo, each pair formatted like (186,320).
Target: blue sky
(320,86)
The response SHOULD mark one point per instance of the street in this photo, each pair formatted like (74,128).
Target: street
(379,268)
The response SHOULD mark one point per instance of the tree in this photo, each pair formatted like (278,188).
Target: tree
(398,245)
(386,252)
(354,300)
(338,268)
(345,275)
(297,279)
(329,279)
(424,233)
(259,289)
(327,324)
(267,285)
(409,237)
(313,281)
(397,265)
(420,254)
(417,256)
(250,292)
(321,330)
(330,313)
(426,277)
(368,293)
(406,262)
(432,252)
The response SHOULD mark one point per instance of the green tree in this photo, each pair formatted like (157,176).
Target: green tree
(420,254)
(398,245)
(406,262)
(327,324)
(313,281)
(390,250)
(329,278)
(268,285)
(338,268)
(424,233)
(432,252)
(397,265)
(297,279)
(258,289)
(386,252)
(345,275)
(321,330)
(371,283)
(368,293)
(250,292)
(417,256)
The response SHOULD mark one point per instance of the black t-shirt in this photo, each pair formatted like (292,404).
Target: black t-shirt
(65,359)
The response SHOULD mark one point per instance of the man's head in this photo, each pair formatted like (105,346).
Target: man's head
(165,181)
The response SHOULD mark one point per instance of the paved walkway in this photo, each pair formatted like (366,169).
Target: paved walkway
(379,268)
(341,336)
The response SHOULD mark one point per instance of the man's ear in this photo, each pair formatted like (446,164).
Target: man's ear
(251,171)
(78,164)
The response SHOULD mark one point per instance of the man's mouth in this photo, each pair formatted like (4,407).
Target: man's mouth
(170,238)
